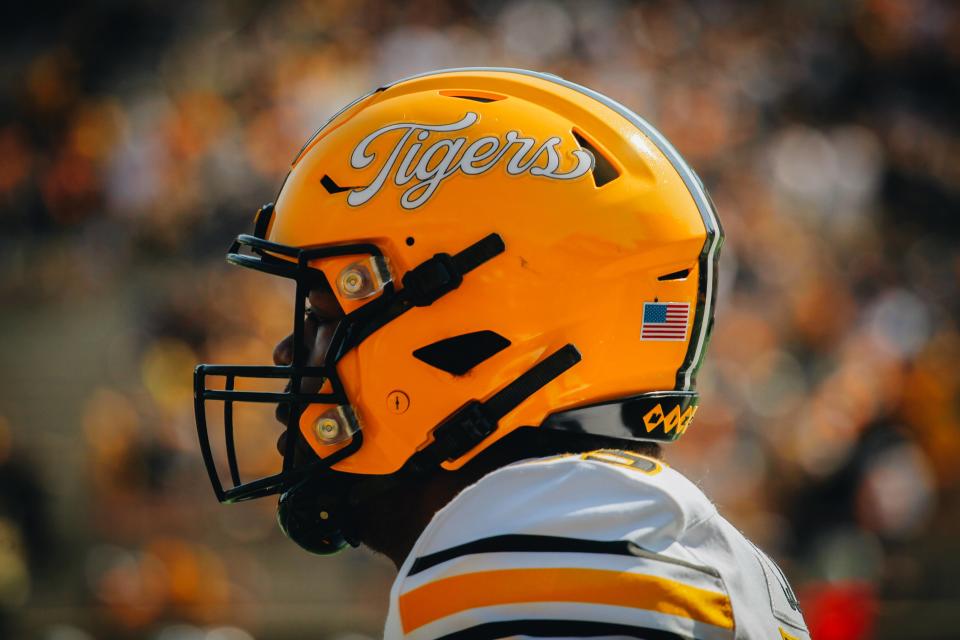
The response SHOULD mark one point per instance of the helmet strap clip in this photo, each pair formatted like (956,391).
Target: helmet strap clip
(476,420)
(429,281)
(437,276)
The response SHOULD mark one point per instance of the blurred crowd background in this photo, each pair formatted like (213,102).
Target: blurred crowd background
(137,138)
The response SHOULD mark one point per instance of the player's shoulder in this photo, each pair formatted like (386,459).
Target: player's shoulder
(599,495)
(591,541)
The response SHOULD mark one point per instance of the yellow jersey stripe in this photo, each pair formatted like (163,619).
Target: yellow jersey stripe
(452,595)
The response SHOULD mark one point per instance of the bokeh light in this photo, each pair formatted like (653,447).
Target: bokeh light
(136,139)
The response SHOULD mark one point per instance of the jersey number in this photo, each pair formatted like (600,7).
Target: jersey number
(627,459)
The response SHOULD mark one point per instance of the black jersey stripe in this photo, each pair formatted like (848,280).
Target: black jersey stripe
(530,543)
(559,629)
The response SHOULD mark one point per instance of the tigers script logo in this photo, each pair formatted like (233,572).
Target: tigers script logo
(447,156)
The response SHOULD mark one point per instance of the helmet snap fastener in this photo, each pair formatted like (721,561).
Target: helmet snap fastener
(327,429)
(363,279)
(335,425)
(352,281)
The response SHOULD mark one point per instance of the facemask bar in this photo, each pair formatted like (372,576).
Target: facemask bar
(271,484)
(422,286)
(307,278)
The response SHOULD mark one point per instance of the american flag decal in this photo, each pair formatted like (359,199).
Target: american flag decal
(665,320)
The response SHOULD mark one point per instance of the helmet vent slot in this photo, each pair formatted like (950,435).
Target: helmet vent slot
(460,354)
(476,96)
(676,275)
(603,169)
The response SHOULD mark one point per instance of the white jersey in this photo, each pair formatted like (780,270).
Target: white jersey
(605,544)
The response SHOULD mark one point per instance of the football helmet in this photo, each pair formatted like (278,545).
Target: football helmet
(510,251)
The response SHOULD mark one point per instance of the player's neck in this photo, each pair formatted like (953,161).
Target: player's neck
(391,523)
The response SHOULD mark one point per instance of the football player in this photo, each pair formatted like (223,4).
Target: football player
(505,285)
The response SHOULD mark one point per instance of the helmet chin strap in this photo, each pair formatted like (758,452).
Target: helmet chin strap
(315,513)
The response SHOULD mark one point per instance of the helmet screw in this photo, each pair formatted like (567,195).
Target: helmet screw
(398,402)
(352,281)
(327,428)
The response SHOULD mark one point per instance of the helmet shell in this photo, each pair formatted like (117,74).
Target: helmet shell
(527,156)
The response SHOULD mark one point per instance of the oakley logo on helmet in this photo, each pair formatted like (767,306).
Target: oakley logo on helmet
(447,156)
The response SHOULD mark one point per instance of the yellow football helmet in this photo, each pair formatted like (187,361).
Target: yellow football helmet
(510,250)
